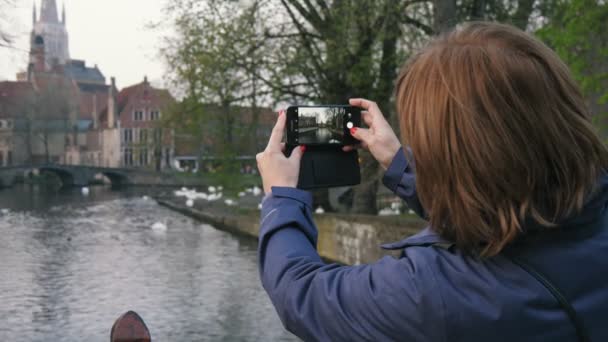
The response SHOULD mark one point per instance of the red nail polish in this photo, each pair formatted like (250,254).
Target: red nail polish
(303,148)
(353,131)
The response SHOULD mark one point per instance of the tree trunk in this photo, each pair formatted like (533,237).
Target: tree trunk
(478,10)
(28,144)
(46,149)
(444,12)
(522,16)
(364,199)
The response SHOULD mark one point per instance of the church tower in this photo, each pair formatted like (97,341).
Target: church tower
(49,39)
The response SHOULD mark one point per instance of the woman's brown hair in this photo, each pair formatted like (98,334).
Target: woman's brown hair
(500,134)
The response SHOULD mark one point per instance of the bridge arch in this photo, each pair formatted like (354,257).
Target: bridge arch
(67,178)
(115,178)
(72,175)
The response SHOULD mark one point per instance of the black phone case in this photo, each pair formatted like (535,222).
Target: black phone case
(328,167)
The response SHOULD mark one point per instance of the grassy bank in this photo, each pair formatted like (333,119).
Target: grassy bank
(233,183)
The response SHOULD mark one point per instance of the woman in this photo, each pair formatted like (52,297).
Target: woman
(504,163)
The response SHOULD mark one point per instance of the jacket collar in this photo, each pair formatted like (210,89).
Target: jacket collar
(593,210)
(427,237)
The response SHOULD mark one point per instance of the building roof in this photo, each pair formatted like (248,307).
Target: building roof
(77,70)
(92,101)
(14,90)
(48,87)
(11,95)
(128,93)
(140,89)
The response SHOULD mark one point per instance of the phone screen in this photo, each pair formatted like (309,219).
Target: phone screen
(321,125)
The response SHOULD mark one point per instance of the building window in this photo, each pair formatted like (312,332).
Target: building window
(128,157)
(154,115)
(143,136)
(10,158)
(9,124)
(127,136)
(1,123)
(143,157)
(138,115)
(2,158)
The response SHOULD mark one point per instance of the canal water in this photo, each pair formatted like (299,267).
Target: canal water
(71,264)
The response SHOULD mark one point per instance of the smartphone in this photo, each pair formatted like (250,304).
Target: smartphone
(322,125)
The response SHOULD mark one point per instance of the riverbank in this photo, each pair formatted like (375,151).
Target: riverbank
(348,239)
(79,176)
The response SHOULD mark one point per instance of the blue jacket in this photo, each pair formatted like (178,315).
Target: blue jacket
(433,293)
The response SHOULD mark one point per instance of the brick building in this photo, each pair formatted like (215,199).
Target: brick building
(145,141)
(54,106)
(250,129)
(62,111)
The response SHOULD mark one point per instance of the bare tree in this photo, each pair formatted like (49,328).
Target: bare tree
(6,38)
(43,122)
(54,107)
(322,51)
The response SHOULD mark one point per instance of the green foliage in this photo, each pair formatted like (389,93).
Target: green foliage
(232,181)
(6,35)
(210,57)
(577,31)
(302,52)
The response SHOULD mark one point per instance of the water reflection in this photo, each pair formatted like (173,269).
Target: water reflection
(320,135)
(72,264)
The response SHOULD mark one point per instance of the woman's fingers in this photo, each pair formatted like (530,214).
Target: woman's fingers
(349,148)
(296,154)
(368,105)
(363,103)
(367,118)
(276,137)
(361,134)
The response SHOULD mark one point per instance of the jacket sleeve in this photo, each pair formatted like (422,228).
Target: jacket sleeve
(391,299)
(400,178)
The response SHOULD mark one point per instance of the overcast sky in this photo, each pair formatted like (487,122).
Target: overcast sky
(109,33)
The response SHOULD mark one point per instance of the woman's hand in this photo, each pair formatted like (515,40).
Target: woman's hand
(379,139)
(275,168)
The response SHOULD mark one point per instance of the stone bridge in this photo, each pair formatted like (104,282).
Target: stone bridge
(76,175)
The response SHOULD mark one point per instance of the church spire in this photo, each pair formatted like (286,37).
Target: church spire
(48,11)
(34,16)
(63,14)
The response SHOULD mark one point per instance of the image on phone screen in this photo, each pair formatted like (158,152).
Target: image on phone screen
(321,125)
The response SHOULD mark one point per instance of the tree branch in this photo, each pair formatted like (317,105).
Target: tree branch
(417,24)
(304,35)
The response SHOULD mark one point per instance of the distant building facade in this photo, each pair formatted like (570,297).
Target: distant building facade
(251,129)
(145,142)
(62,111)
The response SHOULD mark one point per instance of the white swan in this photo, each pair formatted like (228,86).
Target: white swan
(159,227)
